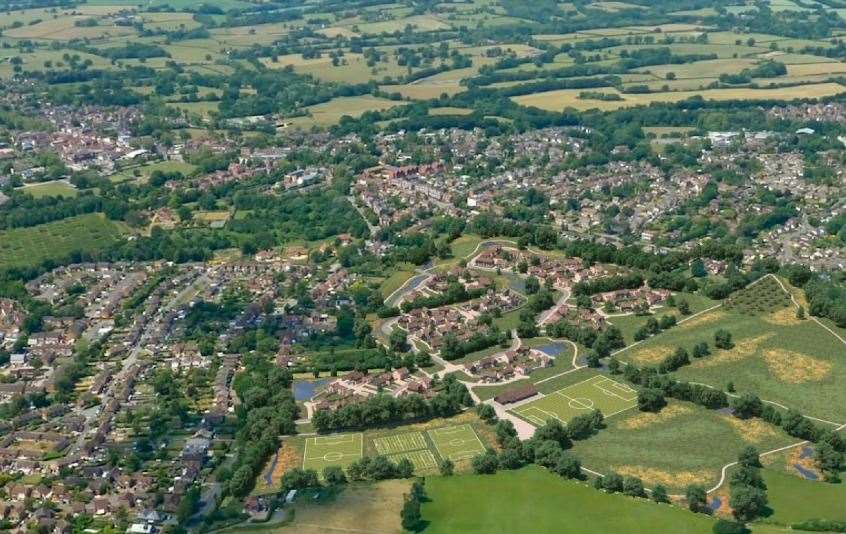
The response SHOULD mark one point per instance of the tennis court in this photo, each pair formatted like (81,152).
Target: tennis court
(596,393)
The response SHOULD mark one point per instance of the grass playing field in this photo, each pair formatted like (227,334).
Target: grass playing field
(596,393)
(423,460)
(396,443)
(456,442)
(57,188)
(340,449)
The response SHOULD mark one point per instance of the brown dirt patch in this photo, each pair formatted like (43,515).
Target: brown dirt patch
(751,430)
(742,349)
(783,317)
(652,476)
(795,367)
(705,318)
(651,355)
(645,419)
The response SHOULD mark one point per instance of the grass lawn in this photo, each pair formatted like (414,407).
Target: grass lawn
(56,240)
(394,282)
(534,500)
(676,446)
(793,499)
(58,188)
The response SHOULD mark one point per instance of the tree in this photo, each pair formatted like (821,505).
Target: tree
(404,468)
(749,457)
(568,467)
(297,479)
(334,475)
(532,285)
(722,339)
(446,467)
(650,400)
(829,460)
(614,366)
(747,502)
(398,340)
(659,494)
(697,499)
(486,413)
(612,482)
(747,405)
(486,463)
(683,307)
(800,312)
(747,476)
(410,514)
(633,487)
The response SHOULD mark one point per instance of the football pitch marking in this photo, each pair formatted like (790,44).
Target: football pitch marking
(410,441)
(597,392)
(422,460)
(457,442)
(323,451)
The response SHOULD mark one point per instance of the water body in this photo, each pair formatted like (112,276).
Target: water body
(553,349)
(807,452)
(305,389)
(715,504)
(807,475)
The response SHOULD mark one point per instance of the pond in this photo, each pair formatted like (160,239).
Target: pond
(716,502)
(553,349)
(806,474)
(305,389)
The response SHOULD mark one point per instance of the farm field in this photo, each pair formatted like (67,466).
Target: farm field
(564,98)
(776,356)
(511,501)
(30,246)
(330,113)
(675,447)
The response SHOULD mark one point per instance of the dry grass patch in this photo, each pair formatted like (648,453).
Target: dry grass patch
(651,355)
(705,318)
(652,476)
(646,419)
(783,317)
(795,367)
(752,430)
(742,350)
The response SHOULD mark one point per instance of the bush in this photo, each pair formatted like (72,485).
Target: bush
(650,400)
(820,525)
(486,463)
(723,526)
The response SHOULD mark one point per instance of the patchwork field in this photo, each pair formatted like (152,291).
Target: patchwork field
(596,393)
(31,246)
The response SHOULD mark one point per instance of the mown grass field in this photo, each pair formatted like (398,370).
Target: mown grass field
(30,246)
(534,500)
(57,188)
(793,499)
(329,113)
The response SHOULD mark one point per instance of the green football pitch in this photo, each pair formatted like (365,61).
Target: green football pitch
(456,442)
(423,460)
(596,393)
(340,450)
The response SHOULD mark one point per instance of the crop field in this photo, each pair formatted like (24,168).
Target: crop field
(569,98)
(32,245)
(675,446)
(596,393)
(338,449)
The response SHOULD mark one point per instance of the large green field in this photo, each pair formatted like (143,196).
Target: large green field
(794,362)
(53,241)
(534,500)
(675,447)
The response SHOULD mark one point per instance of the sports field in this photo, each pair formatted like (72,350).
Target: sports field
(456,442)
(410,441)
(423,460)
(596,393)
(339,449)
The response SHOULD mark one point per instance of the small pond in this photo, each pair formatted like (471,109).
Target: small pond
(305,389)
